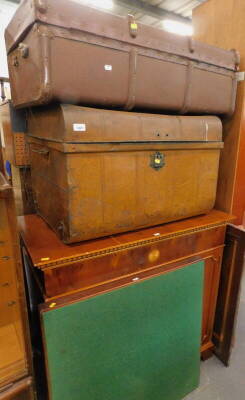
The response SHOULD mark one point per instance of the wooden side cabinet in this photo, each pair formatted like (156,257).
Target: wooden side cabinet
(15,357)
(59,270)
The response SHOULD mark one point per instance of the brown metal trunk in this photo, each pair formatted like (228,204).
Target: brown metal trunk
(100,172)
(62,51)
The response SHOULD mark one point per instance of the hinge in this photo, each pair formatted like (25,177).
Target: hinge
(240,76)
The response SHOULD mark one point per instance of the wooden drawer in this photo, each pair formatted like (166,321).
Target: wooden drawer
(68,277)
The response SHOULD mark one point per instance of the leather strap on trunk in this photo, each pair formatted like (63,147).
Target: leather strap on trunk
(131,79)
(191,44)
(185,107)
(233,97)
(234,84)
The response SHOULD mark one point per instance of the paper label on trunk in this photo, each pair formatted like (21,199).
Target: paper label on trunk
(108,67)
(79,127)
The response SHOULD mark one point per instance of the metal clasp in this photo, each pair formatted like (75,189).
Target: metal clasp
(24,50)
(133,26)
(157,160)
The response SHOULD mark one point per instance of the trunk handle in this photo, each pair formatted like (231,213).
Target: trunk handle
(44,152)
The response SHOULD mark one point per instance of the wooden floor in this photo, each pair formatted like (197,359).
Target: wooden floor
(12,357)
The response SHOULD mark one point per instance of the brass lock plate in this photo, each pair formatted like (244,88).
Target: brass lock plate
(157,160)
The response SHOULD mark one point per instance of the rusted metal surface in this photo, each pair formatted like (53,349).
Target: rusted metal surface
(63,51)
(100,172)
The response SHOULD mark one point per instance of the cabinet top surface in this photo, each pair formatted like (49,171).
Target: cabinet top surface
(46,250)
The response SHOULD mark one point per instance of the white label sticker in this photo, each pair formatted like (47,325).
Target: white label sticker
(108,67)
(79,127)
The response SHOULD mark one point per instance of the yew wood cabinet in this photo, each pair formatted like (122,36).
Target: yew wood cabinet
(62,271)
(16,382)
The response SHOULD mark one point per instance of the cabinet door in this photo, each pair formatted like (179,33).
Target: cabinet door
(229,292)
(13,329)
(138,341)
(211,286)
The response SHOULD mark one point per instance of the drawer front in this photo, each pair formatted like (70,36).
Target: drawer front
(81,274)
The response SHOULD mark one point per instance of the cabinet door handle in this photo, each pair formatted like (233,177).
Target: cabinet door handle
(11,303)
(45,152)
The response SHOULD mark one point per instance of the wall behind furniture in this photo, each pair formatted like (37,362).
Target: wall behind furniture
(7,9)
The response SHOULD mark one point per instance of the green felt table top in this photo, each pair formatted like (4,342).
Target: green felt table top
(138,342)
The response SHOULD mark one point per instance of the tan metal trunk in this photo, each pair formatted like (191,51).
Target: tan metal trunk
(100,172)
